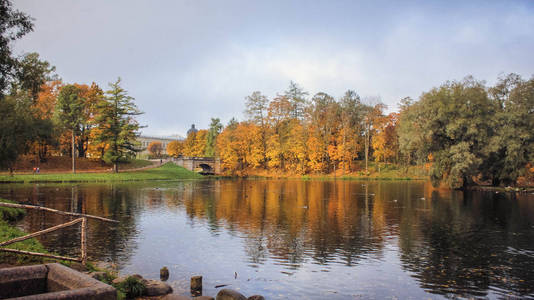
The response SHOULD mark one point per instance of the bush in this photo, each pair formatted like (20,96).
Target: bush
(132,287)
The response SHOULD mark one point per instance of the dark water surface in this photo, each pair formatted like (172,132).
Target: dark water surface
(302,239)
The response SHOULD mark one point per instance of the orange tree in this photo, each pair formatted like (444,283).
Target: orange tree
(155,148)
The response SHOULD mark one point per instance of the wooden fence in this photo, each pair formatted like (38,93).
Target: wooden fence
(83,235)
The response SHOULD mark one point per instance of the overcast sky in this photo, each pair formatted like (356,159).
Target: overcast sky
(188,61)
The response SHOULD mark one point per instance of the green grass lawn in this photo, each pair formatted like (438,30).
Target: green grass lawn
(135,163)
(167,171)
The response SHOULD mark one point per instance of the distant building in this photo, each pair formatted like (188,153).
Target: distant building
(145,140)
(192,129)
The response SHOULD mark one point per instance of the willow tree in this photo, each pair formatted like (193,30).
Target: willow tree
(459,124)
(117,125)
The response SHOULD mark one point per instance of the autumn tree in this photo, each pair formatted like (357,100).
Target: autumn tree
(117,124)
(239,146)
(155,148)
(195,143)
(371,119)
(324,120)
(31,77)
(385,141)
(93,95)
(350,143)
(175,148)
(256,110)
(280,121)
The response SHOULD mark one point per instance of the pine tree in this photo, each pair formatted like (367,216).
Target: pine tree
(117,124)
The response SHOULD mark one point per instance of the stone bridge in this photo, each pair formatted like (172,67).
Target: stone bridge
(209,165)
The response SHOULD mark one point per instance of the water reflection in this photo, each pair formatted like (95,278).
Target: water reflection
(314,239)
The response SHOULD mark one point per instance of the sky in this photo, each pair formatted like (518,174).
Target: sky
(186,62)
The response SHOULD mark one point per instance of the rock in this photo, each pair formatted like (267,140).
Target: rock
(228,294)
(196,283)
(164,274)
(256,297)
(174,297)
(156,288)
(118,280)
(203,298)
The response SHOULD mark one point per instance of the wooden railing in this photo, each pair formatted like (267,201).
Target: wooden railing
(83,235)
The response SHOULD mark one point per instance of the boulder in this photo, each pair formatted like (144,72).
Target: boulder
(256,297)
(174,297)
(203,298)
(228,294)
(156,288)
(118,280)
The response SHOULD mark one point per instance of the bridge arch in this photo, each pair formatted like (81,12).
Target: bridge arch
(206,168)
(209,165)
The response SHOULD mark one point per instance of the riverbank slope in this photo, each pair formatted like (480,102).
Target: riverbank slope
(167,171)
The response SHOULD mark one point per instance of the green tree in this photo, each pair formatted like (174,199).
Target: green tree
(32,73)
(69,114)
(512,146)
(16,128)
(410,129)
(459,125)
(211,139)
(297,98)
(13,25)
(117,125)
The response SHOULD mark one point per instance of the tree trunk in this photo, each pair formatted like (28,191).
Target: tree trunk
(73,154)
(367,141)
(116,167)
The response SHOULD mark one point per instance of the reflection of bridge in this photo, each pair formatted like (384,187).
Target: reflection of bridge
(209,165)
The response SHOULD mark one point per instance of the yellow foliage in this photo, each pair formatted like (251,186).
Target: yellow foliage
(175,148)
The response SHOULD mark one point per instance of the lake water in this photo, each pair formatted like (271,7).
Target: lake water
(302,239)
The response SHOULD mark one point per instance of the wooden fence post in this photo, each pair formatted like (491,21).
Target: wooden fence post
(84,241)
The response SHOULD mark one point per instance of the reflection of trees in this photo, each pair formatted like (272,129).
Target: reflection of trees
(465,244)
(292,220)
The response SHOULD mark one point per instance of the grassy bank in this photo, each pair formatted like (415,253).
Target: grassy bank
(8,231)
(376,171)
(168,171)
